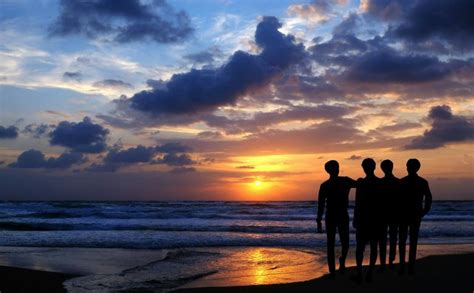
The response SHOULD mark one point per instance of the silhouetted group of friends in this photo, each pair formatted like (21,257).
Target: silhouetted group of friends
(383,206)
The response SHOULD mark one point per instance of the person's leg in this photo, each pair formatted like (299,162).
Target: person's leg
(360,247)
(383,246)
(403,232)
(331,242)
(344,238)
(393,231)
(414,231)
(373,256)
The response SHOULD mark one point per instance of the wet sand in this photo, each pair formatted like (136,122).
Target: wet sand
(440,273)
(237,269)
(24,280)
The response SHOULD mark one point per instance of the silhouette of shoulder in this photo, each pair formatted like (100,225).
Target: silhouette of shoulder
(341,180)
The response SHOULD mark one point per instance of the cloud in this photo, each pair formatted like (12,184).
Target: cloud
(354,158)
(316,11)
(262,120)
(112,83)
(182,170)
(173,155)
(38,130)
(399,126)
(245,167)
(445,128)
(173,159)
(447,21)
(124,21)
(138,154)
(210,135)
(338,135)
(76,75)
(354,68)
(8,132)
(36,159)
(390,66)
(208,56)
(387,10)
(207,89)
(83,137)
(173,147)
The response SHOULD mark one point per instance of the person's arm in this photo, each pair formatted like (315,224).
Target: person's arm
(352,182)
(321,204)
(428,199)
(355,221)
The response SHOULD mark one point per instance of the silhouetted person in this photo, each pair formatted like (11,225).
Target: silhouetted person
(416,191)
(390,193)
(367,217)
(334,193)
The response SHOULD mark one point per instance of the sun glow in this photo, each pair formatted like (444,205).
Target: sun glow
(258,183)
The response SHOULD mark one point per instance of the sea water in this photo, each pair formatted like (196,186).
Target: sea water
(159,246)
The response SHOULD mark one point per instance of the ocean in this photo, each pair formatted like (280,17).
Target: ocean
(161,246)
(159,225)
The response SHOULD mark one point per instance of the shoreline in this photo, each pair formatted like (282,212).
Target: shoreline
(435,273)
(48,268)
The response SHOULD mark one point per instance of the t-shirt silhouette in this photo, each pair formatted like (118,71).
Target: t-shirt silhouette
(335,193)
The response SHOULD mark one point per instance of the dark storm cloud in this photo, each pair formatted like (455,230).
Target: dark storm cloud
(391,66)
(156,83)
(388,9)
(123,20)
(449,21)
(207,89)
(38,130)
(138,154)
(445,128)
(83,137)
(113,83)
(8,132)
(172,154)
(36,159)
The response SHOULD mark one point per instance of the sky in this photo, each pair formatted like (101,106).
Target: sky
(231,100)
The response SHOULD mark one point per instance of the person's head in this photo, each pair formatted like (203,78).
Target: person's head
(413,165)
(332,167)
(369,166)
(387,167)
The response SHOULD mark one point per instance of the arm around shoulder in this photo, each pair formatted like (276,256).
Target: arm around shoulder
(428,198)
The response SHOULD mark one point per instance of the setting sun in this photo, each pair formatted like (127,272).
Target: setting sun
(258,183)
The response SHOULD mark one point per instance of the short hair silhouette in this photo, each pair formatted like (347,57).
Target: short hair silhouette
(368,165)
(332,167)
(387,166)
(413,165)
